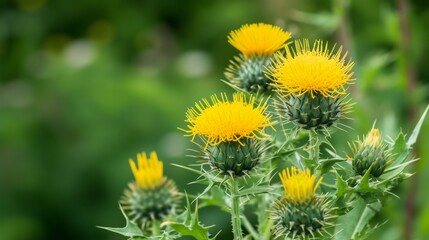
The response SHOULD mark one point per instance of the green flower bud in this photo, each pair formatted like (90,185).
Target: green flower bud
(235,158)
(311,111)
(248,74)
(151,196)
(300,220)
(144,204)
(370,152)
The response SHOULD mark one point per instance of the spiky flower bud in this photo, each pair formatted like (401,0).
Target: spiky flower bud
(300,213)
(311,112)
(234,159)
(249,74)
(370,153)
(151,196)
(257,44)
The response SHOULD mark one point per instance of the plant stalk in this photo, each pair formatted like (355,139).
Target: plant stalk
(155,228)
(314,146)
(235,210)
(248,225)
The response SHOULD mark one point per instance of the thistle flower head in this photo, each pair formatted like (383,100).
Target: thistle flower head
(151,196)
(370,154)
(373,138)
(258,39)
(313,70)
(301,213)
(223,120)
(148,172)
(300,186)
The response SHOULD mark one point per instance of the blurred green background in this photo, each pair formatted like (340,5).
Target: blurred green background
(85,85)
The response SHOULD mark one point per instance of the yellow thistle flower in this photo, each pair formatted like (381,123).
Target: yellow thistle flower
(313,70)
(149,173)
(300,186)
(258,39)
(373,138)
(225,121)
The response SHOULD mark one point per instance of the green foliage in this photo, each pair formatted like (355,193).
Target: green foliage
(79,96)
(351,225)
(191,225)
(130,230)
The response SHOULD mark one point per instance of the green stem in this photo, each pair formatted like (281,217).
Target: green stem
(267,232)
(248,225)
(155,228)
(235,210)
(314,152)
(314,146)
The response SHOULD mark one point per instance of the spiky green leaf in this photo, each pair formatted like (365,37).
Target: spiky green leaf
(190,228)
(130,229)
(341,186)
(349,226)
(416,131)
(325,165)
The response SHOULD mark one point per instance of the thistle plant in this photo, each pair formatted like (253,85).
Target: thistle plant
(294,180)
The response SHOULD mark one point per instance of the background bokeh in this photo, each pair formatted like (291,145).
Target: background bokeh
(85,85)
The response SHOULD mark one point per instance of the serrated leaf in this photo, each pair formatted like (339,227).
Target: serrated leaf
(364,182)
(191,228)
(325,165)
(341,186)
(187,231)
(206,190)
(130,229)
(354,222)
(416,131)
(398,160)
(397,170)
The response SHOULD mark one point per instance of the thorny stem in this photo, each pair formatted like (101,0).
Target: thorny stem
(235,210)
(155,228)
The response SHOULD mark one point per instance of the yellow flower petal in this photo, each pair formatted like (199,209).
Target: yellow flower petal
(149,172)
(258,39)
(314,70)
(223,120)
(299,186)
(373,138)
